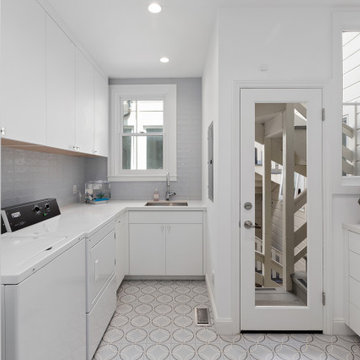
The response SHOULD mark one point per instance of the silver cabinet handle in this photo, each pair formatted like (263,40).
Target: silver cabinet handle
(249,225)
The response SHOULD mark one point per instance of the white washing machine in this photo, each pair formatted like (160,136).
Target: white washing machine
(43,279)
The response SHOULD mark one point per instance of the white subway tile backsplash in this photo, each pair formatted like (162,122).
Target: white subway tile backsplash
(30,175)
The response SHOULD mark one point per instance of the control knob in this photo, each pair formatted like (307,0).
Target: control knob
(36,209)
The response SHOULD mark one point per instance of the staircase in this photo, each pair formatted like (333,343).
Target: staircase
(350,145)
(279,127)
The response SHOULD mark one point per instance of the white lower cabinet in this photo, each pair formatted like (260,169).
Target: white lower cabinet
(147,249)
(352,280)
(166,243)
(184,248)
(122,249)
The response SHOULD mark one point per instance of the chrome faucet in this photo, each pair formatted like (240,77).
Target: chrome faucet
(169,193)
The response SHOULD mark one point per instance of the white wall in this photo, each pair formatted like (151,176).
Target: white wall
(295,44)
(210,100)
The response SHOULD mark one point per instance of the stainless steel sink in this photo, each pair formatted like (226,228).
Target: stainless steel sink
(166,203)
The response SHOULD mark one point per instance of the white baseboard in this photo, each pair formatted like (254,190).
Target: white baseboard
(224,326)
(340,328)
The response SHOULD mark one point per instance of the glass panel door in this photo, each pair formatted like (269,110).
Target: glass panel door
(281,204)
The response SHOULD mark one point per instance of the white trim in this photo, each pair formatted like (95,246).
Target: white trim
(235,217)
(147,177)
(224,326)
(167,92)
(340,328)
(342,21)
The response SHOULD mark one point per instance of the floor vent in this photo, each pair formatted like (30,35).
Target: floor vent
(264,289)
(202,316)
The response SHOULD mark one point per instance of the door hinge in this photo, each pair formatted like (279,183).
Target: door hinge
(323,114)
(323,298)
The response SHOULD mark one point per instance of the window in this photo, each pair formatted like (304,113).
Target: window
(143,141)
(351,103)
(142,134)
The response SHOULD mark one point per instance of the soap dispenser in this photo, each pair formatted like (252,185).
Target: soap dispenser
(156,196)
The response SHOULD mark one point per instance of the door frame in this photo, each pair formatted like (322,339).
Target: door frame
(239,85)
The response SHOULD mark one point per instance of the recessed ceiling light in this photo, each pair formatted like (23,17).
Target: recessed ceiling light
(164,60)
(154,8)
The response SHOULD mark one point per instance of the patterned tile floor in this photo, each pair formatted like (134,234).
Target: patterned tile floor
(154,320)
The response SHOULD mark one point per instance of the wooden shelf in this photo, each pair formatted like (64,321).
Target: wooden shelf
(43,148)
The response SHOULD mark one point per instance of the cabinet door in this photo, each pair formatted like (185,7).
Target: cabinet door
(147,249)
(60,85)
(84,133)
(184,249)
(122,249)
(101,131)
(23,70)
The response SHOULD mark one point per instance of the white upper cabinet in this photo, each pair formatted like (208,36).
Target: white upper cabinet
(51,94)
(101,109)
(84,124)
(23,70)
(60,86)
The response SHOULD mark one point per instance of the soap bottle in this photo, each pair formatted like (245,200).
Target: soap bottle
(156,195)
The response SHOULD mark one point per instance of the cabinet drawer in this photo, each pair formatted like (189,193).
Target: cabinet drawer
(354,242)
(165,217)
(354,265)
(354,318)
(354,292)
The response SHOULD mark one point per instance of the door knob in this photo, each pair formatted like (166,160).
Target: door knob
(249,225)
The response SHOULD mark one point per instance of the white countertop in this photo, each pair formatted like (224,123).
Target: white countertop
(24,251)
(352,227)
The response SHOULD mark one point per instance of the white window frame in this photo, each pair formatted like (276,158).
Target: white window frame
(119,93)
(342,21)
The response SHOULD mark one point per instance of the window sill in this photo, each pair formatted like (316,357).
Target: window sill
(133,177)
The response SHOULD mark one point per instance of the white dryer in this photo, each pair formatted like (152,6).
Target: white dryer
(101,284)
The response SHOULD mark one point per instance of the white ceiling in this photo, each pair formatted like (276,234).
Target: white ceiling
(127,41)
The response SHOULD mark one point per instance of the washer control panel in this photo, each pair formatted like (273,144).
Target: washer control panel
(20,216)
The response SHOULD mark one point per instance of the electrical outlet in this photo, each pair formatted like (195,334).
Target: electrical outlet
(75,189)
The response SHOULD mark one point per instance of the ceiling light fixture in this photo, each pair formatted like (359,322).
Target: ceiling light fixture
(154,8)
(164,60)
